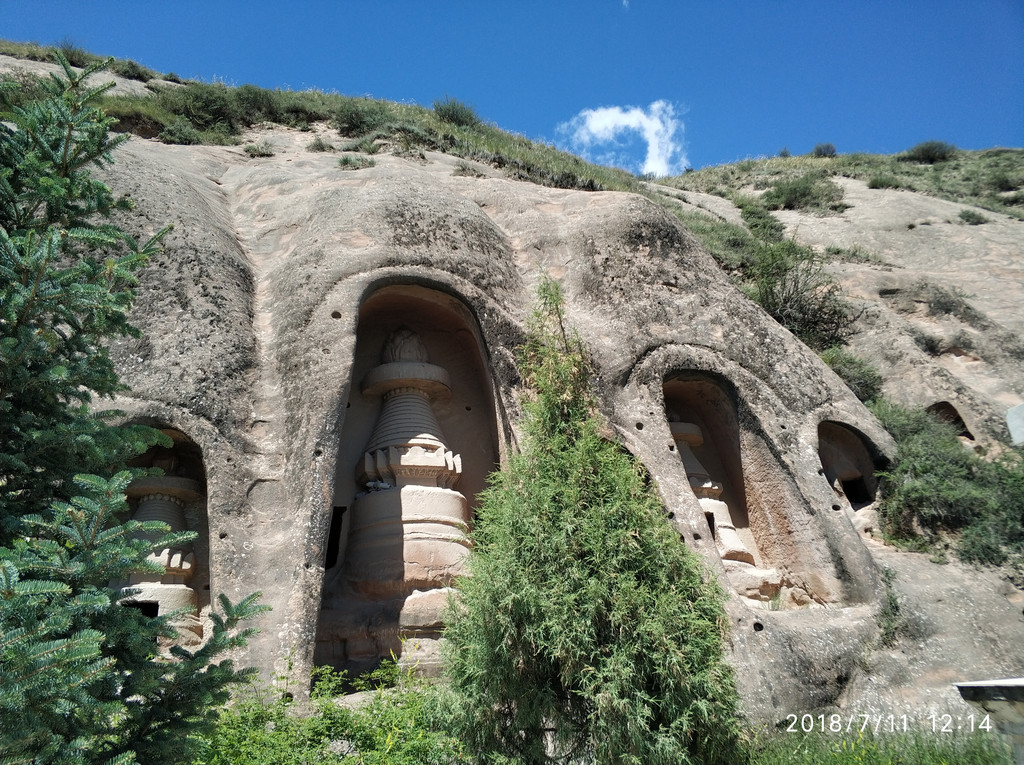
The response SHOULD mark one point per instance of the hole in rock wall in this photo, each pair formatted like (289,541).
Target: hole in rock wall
(847,464)
(177,498)
(418,440)
(945,411)
(702,419)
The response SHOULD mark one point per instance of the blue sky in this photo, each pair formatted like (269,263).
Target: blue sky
(650,85)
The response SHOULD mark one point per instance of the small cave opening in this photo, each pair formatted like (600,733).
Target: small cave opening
(846,464)
(946,412)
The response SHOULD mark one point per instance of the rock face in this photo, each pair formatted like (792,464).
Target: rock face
(336,351)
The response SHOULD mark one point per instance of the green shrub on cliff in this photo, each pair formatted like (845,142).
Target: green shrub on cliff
(937,487)
(587,631)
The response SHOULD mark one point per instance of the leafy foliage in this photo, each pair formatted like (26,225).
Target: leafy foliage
(65,285)
(884,181)
(972,217)
(811,191)
(455,112)
(586,629)
(826,150)
(790,283)
(861,378)
(398,726)
(929,152)
(80,678)
(936,485)
(761,223)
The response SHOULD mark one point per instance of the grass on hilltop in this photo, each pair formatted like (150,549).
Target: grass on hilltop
(195,112)
(992,179)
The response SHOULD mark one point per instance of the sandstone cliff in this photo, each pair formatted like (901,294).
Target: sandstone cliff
(284,277)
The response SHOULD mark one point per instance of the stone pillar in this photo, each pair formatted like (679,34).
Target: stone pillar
(688,435)
(163,498)
(407,539)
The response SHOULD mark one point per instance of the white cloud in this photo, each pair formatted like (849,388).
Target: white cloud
(599,134)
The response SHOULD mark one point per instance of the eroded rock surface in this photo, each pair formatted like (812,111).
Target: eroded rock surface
(286,276)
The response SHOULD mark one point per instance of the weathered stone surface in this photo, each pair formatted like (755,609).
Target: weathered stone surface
(271,303)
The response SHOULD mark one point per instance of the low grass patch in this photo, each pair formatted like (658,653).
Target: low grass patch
(884,182)
(853,254)
(319,144)
(355,162)
(992,179)
(972,217)
(814,191)
(859,376)
(733,247)
(455,112)
(260,149)
(760,222)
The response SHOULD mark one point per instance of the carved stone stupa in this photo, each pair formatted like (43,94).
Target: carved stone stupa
(163,498)
(407,538)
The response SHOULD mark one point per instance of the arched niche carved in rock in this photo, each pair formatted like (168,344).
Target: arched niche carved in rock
(177,498)
(418,441)
(703,421)
(847,464)
(945,411)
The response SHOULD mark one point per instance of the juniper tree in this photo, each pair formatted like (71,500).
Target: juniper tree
(585,631)
(80,677)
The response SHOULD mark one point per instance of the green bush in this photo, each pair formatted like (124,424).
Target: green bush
(790,283)
(320,144)
(367,144)
(1002,181)
(884,182)
(826,150)
(929,153)
(262,149)
(356,116)
(398,726)
(586,630)
(811,191)
(859,376)
(937,485)
(972,217)
(255,105)
(132,70)
(207,106)
(455,112)
(180,131)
